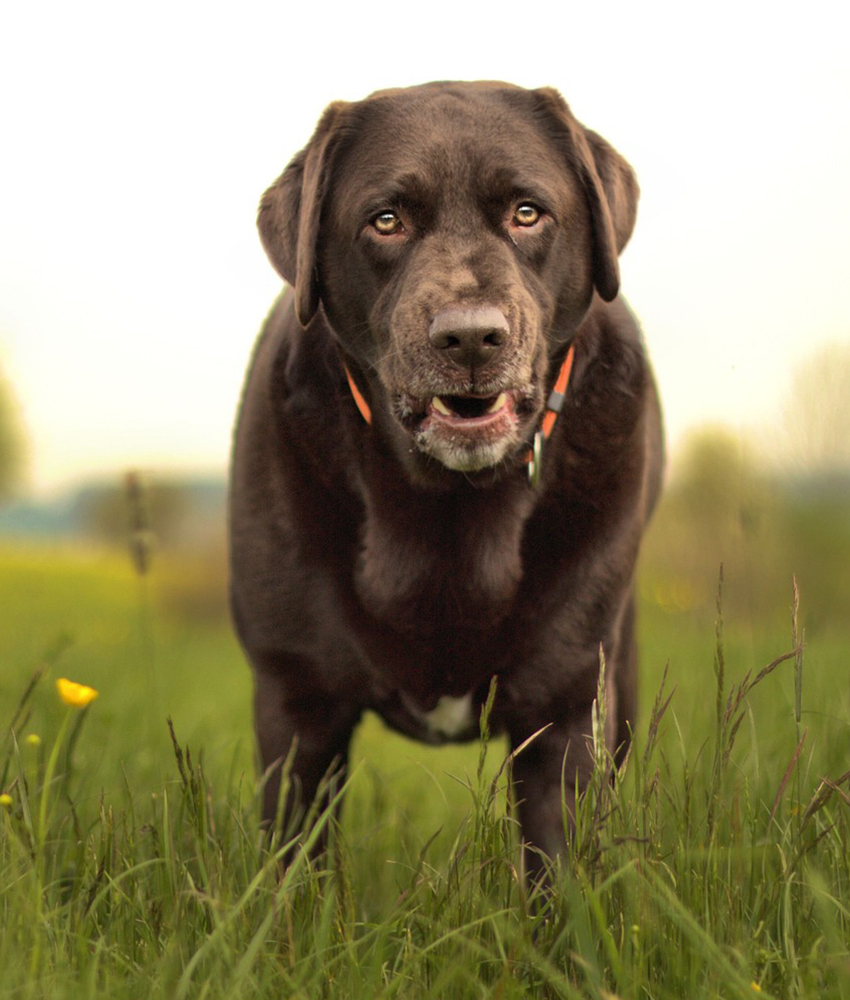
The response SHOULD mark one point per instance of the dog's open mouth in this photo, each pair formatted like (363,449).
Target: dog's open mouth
(468,409)
(467,413)
(466,432)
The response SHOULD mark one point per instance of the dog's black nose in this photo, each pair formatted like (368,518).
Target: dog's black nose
(470,337)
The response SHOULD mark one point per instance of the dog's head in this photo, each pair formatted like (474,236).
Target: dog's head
(454,234)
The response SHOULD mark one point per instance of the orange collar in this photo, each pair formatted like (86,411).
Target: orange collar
(553,408)
(362,405)
(554,404)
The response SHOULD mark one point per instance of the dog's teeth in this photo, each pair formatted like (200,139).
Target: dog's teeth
(497,403)
(440,406)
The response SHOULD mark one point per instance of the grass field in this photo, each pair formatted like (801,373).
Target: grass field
(717,863)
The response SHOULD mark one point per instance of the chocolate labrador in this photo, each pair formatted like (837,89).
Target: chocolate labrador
(449,441)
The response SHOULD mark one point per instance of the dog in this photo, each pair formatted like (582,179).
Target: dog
(449,443)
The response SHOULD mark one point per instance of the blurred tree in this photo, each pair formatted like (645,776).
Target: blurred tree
(718,508)
(717,484)
(12,442)
(816,415)
(722,506)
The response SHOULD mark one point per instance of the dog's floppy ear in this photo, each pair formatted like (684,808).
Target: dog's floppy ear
(610,187)
(290,213)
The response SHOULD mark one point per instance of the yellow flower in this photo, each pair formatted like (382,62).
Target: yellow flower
(32,740)
(756,987)
(6,800)
(77,695)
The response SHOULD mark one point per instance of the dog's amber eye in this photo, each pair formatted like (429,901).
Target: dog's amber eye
(387,223)
(526,214)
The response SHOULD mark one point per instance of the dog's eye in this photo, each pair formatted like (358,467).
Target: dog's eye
(526,214)
(387,223)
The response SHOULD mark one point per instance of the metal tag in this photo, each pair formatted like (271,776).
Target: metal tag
(535,461)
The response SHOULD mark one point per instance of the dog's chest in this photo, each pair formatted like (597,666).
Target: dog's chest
(438,585)
(431,569)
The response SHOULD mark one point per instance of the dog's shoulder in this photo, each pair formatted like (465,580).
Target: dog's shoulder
(292,399)
(612,369)
(295,370)
(612,422)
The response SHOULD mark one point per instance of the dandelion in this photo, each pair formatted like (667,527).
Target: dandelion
(32,740)
(756,987)
(76,695)
(6,800)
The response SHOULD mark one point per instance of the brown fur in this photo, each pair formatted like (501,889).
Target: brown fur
(384,567)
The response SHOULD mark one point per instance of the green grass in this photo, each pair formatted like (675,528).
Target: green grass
(716,864)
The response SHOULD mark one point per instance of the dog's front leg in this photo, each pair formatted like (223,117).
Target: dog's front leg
(304,731)
(546,775)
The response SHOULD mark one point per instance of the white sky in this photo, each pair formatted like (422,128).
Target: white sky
(137,139)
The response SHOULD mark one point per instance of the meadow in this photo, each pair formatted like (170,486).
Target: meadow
(714,863)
